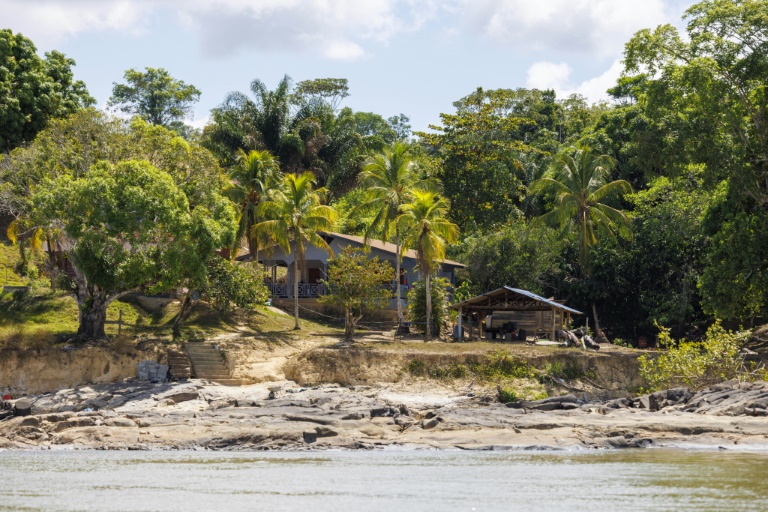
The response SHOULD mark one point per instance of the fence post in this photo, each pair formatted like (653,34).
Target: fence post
(119,321)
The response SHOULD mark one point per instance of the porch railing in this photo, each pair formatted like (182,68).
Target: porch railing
(306,290)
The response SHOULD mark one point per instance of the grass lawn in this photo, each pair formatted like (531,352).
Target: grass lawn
(45,317)
(9,256)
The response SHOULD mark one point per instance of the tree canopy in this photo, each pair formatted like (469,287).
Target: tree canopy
(34,90)
(155,96)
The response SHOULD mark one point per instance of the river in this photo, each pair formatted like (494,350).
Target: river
(390,480)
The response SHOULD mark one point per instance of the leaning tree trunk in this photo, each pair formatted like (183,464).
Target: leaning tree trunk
(599,334)
(296,292)
(428,335)
(93,315)
(186,307)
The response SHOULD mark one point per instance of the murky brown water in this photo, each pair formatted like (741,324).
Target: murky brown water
(656,480)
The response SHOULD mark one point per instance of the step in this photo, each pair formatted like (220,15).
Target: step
(227,382)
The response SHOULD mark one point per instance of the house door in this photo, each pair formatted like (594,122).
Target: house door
(314,275)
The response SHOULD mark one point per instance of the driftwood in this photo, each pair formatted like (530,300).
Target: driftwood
(577,337)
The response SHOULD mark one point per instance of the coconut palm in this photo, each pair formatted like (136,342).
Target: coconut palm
(579,181)
(255,173)
(296,216)
(388,179)
(427,230)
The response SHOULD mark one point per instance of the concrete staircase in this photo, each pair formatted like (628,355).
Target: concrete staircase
(179,365)
(208,364)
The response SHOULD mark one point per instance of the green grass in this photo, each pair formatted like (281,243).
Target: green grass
(9,256)
(42,314)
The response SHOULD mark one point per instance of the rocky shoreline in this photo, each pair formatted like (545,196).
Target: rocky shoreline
(194,415)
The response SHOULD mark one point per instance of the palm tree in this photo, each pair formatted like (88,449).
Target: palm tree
(297,216)
(388,178)
(579,182)
(255,173)
(427,230)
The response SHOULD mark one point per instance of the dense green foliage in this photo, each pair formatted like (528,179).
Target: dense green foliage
(229,285)
(651,210)
(34,90)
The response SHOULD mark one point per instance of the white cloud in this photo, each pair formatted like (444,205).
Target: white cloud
(557,76)
(48,22)
(596,27)
(336,29)
(548,75)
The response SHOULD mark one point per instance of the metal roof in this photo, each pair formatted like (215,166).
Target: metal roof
(505,290)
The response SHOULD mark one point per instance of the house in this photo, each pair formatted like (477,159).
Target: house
(280,265)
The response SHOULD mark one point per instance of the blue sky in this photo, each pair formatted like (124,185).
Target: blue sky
(400,56)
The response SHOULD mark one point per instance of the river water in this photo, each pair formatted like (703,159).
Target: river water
(652,479)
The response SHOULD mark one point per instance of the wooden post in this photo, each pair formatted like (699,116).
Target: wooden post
(460,332)
(119,321)
(553,325)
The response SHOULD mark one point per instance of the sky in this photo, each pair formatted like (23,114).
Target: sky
(414,57)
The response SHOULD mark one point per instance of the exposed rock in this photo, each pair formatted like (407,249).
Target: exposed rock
(184,396)
(325,432)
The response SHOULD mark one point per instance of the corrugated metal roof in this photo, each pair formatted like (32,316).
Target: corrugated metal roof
(388,247)
(524,293)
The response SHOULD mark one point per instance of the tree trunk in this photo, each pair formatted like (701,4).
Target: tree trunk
(599,334)
(428,335)
(186,306)
(349,324)
(397,280)
(296,293)
(92,318)
(52,263)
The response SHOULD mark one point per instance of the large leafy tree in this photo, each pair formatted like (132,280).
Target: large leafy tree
(127,228)
(254,175)
(388,178)
(707,88)
(485,151)
(44,182)
(428,231)
(579,182)
(34,90)
(155,96)
(296,217)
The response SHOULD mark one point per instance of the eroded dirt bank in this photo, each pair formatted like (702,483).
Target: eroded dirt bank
(613,369)
(36,371)
(196,415)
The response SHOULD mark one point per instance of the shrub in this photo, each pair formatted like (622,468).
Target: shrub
(507,395)
(697,364)
(501,364)
(417,304)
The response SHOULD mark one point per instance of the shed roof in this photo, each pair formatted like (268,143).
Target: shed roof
(511,299)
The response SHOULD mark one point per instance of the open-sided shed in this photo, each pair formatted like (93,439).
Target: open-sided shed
(536,313)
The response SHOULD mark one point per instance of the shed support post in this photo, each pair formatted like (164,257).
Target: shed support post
(553,325)
(460,333)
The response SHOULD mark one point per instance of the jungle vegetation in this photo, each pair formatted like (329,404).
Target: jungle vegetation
(651,208)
